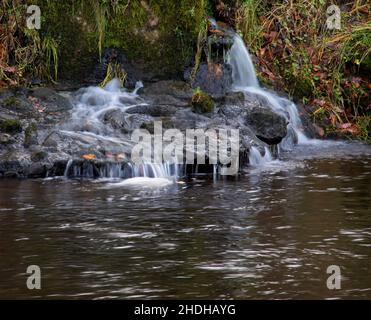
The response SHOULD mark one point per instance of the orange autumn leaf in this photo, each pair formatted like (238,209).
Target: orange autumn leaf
(89,156)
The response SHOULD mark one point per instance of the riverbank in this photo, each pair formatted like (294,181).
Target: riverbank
(326,70)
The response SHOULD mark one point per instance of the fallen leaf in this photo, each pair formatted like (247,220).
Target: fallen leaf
(89,156)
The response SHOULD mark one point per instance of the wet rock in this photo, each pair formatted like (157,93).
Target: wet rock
(16,101)
(51,141)
(154,110)
(51,100)
(269,127)
(39,155)
(37,170)
(126,122)
(13,165)
(233,98)
(186,119)
(58,168)
(5,138)
(177,89)
(168,100)
(30,135)
(213,78)
(232,111)
(169,93)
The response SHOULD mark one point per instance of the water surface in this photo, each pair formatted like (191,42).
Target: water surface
(270,233)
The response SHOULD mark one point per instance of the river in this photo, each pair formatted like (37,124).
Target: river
(270,233)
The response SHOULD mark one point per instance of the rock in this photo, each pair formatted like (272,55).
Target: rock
(186,119)
(39,155)
(154,110)
(167,99)
(37,170)
(202,102)
(16,101)
(5,138)
(215,79)
(233,98)
(124,121)
(51,141)
(269,127)
(169,93)
(13,164)
(51,100)
(174,88)
(30,135)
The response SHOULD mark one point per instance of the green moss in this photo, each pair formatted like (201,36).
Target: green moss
(72,28)
(202,102)
(12,102)
(161,33)
(10,126)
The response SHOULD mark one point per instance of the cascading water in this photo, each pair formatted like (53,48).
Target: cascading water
(256,159)
(121,170)
(87,125)
(243,71)
(244,79)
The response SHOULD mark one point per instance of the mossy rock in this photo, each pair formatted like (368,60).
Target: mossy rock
(10,126)
(30,135)
(202,102)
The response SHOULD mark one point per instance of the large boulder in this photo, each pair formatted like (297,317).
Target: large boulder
(268,126)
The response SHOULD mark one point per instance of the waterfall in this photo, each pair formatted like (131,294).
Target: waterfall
(68,167)
(244,79)
(87,126)
(256,159)
(243,71)
(121,170)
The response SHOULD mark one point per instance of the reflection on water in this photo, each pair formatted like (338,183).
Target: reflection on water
(271,233)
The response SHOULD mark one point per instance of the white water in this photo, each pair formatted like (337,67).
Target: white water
(256,159)
(243,71)
(143,182)
(122,170)
(87,126)
(94,102)
(245,79)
